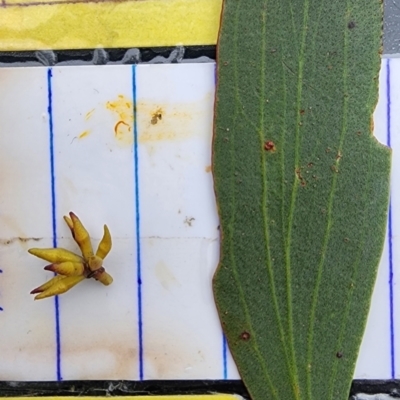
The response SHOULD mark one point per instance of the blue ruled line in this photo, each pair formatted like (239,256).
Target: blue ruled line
(225,356)
(391,305)
(53,213)
(137,214)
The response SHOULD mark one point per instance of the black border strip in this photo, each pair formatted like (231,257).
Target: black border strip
(121,388)
(164,387)
(105,56)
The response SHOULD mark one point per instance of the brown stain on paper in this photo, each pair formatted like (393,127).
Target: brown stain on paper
(122,107)
(166,354)
(157,122)
(121,354)
(84,134)
(166,122)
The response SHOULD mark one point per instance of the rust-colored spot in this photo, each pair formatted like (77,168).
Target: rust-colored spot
(245,336)
(156,116)
(84,134)
(339,155)
(269,145)
(310,165)
(334,168)
(208,168)
(300,177)
(302,112)
(371,125)
(359,133)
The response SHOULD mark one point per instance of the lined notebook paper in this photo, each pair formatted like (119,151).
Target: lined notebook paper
(130,146)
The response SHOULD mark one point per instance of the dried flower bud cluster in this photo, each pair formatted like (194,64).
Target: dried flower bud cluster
(70,267)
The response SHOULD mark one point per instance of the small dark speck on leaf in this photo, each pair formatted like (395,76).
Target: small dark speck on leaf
(245,336)
(226,63)
(302,112)
(351,25)
(359,133)
(310,164)
(346,240)
(339,354)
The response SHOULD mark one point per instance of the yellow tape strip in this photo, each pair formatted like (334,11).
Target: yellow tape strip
(176,397)
(62,24)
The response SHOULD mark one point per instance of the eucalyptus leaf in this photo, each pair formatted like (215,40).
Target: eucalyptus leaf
(302,189)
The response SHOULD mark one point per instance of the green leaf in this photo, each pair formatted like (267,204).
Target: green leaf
(302,189)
